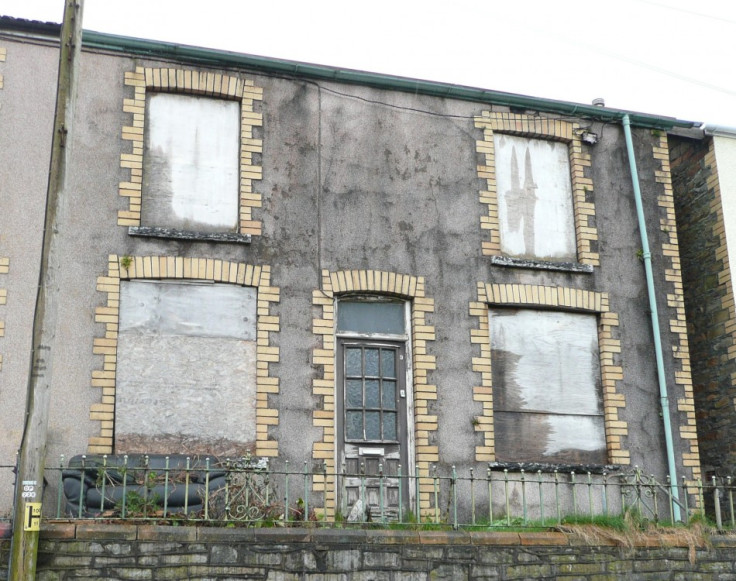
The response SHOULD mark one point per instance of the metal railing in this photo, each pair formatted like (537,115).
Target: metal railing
(255,492)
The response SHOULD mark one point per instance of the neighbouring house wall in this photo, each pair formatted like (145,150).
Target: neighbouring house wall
(25,145)
(703,176)
(345,191)
(127,551)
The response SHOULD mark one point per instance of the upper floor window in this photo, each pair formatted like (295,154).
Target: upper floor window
(191,163)
(535,198)
(195,156)
(539,200)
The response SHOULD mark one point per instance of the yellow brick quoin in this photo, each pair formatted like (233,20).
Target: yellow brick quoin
(676,299)
(193,83)
(170,267)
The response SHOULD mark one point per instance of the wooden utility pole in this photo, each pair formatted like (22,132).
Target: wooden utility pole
(29,479)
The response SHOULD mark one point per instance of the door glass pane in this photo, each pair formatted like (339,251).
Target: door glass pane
(371,317)
(388,363)
(353,364)
(354,425)
(371,362)
(371,394)
(389,395)
(354,395)
(372,425)
(389,426)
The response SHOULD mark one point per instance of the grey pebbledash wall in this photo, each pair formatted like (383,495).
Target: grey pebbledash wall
(111,552)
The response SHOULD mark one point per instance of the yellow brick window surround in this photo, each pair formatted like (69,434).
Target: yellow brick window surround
(411,288)
(586,233)
(563,299)
(185,269)
(198,83)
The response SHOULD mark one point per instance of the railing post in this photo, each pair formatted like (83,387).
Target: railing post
(574,494)
(60,486)
(401,494)
(541,496)
(436,496)
(287,518)
(506,494)
(717,504)
(472,497)
(366,510)
(125,486)
(685,499)
(81,487)
(306,492)
(381,485)
(186,486)
(206,487)
(454,498)
(490,495)
(103,483)
(416,493)
(523,497)
(557,497)
(590,495)
(730,501)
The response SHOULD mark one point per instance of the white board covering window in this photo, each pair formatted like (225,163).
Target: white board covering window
(547,401)
(535,207)
(186,372)
(191,163)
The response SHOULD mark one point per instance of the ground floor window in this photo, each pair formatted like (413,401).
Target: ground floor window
(547,397)
(186,368)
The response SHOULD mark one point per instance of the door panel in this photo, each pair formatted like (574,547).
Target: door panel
(372,428)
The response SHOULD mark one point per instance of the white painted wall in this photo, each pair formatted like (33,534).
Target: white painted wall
(725,149)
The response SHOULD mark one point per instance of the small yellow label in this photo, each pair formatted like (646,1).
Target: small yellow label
(32,521)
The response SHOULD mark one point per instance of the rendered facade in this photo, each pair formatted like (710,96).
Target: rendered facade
(336,267)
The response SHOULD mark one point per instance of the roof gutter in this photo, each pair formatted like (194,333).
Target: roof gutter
(719,130)
(213,57)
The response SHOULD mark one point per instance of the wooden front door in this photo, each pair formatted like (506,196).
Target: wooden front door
(372,429)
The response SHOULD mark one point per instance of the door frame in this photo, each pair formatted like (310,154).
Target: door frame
(405,340)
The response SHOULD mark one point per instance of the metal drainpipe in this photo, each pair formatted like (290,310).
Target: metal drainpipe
(655,319)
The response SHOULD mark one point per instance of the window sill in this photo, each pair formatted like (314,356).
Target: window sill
(541,264)
(532,467)
(173,234)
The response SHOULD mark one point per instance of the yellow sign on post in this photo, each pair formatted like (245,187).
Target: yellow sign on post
(32,520)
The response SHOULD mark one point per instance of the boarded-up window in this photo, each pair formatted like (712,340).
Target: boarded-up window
(547,403)
(186,379)
(191,163)
(535,207)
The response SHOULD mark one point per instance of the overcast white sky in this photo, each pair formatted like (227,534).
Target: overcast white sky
(666,57)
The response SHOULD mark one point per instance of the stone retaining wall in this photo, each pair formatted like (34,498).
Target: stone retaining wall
(111,552)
